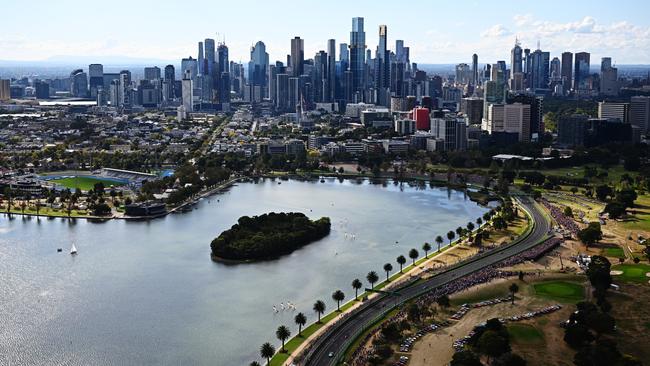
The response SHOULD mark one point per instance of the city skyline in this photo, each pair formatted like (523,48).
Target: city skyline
(622,35)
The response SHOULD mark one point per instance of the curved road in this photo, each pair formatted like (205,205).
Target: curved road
(336,337)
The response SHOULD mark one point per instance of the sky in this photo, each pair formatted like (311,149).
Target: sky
(437,32)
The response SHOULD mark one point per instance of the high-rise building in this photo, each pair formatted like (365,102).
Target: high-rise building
(556,70)
(608,78)
(463,73)
(189,64)
(472,108)
(516,59)
(614,110)
(169,91)
(297,56)
(382,71)
(567,71)
(210,55)
(152,73)
(536,123)
(571,130)
(5,90)
(357,55)
(581,81)
(125,99)
(258,65)
(640,112)
(42,89)
(282,93)
(331,69)
(537,76)
(79,84)
(96,78)
(188,91)
(201,60)
(475,78)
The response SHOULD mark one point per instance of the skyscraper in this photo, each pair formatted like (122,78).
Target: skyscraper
(331,69)
(209,57)
(567,71)
(537,76)
(191,65)
(79,83)
(297,56)
(581,73)
(382,71)
(152,73)
(640,112)
(516,59)
(608,78)
(258,65)
(357,55)
(475,78)
(96,74)
(201,60)
(169,81)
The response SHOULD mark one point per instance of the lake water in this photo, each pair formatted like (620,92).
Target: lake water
(147,293)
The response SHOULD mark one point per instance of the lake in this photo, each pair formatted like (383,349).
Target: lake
(147,293)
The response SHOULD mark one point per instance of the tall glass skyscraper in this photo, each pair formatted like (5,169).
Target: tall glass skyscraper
(357,54)
(581,73)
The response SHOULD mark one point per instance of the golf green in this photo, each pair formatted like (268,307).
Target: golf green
(632,272)
(560,291)
(525,334)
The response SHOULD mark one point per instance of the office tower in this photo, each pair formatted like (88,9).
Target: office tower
(536,123)
(222,60)
(516,59)
(124,89)
(357,55)
(331,69)
(571,130)
(475,78)
(5,90)
(210,54)
(168,83)
(538,72)
(640,112)
(516,119)
(189,64)
(614,110)
(556,70)
(493,94)
(608,78)
(79,84)
(282,93)
(297,56)
(463,73)
(344,54)
(382,71)
(400,54)
(319,79)
(581,72)
(152,73)
(188,91)
(294,94)
(96,78)
(567,71)
(472,108)
(258,65)
(201,60)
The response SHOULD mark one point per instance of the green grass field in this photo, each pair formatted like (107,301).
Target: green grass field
(632,272)
(614,252)
(84,183)
(525,334)
(561,291)
(639,216)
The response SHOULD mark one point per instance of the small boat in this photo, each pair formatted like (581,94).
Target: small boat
(59,250)
(73,250)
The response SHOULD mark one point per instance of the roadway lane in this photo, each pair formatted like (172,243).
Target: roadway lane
(336,337)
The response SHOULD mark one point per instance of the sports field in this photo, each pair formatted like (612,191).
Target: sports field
(561,291)
(84,183)
(632,272)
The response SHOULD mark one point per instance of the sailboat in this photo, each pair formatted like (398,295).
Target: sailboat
(73,250)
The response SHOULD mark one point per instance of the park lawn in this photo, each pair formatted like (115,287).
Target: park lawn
(562,291)
(84,183)
(615,252)
(632,272)
(639,215)
(613,173)
(46,211)
(481,294)
(525,334)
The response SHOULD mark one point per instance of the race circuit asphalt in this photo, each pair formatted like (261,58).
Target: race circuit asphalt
(335,339)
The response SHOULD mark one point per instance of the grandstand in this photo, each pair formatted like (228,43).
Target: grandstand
(133,178)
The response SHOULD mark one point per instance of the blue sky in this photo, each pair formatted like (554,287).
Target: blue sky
(437,32)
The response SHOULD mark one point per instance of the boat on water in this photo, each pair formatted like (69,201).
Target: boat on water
(73,249)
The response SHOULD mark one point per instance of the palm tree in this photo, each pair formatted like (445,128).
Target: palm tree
(38,206)
(479,221)
(470,226)
(401,260)
(372,278)
(450,236)
(267,351)
(513,290)
(356,285)
(319,307)
(388,267)
(282,333)
(426,247)
(413,254)
(338,296)
(254,363)
(439,241)
(301,320)
(486,216)
(459,232)
(8,193)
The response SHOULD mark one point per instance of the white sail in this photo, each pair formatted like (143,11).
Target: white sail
(73,250)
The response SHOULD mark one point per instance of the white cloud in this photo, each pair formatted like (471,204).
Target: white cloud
(497,30)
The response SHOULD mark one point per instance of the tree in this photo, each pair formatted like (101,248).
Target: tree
(319,308)
(470,226)
(450,236)
(283,334)
(493,344)
(459,232)
(568,212)
(267,351)
(599,275)
(514,288)
(254,363)
(413,312)
(486,216)
(615,210)
(591,234)
(413,254)
(338,296)
(372,278)
(465,358)
(509,359)
(603,191)
(388,267)
(479,221)
(576,335)
(439,241)
(401,260)
(301,320)
(626,196)
(356,285)
(443,301)
(426,247)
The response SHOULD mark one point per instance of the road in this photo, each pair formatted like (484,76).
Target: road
(336,337)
